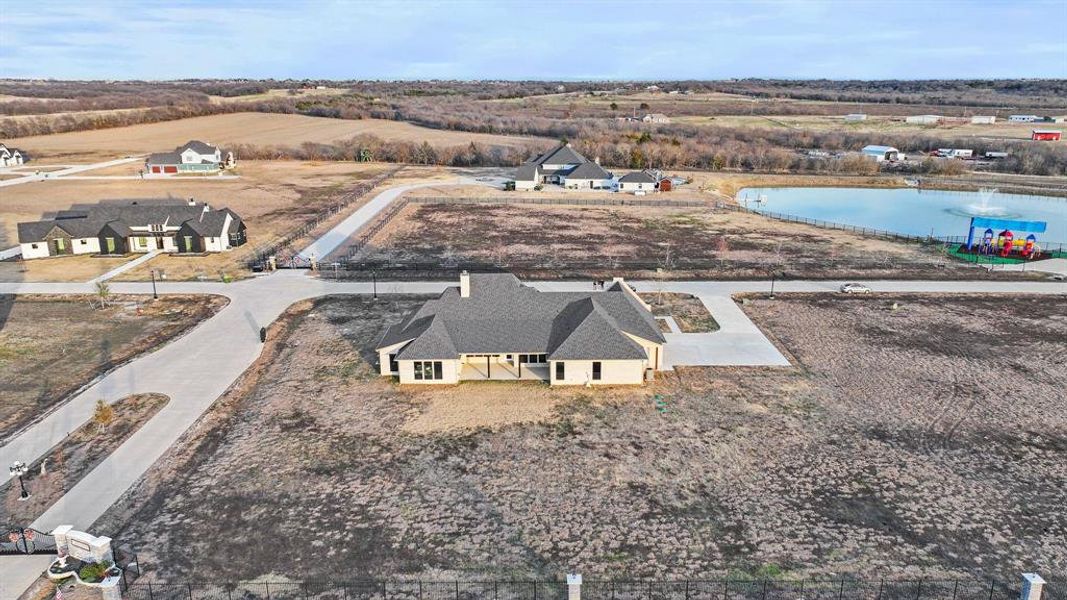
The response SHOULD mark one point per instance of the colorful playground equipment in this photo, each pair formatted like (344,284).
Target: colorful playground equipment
(1005,244)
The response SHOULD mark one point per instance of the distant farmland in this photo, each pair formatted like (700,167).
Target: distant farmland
(263,129)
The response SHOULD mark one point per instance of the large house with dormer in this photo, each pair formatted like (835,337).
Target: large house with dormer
(11,157)
(563,166)
(133,226)
(493,327)
(192,157)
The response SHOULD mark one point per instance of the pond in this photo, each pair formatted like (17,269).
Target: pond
(910,211)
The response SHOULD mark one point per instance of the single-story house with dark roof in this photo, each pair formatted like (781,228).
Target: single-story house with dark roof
(493,327)
(192,157)
(565,166)
(639,181)
(133,226)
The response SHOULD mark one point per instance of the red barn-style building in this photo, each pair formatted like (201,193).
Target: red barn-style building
(1046,135)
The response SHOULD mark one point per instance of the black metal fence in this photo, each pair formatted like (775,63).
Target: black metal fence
(951,240)
(27,541)
(260,253)
(727,589)
(608,200)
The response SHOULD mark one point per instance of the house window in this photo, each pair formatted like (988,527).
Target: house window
(533,359)
(393,365)
(596,370)
(428,370)
(34,246)
(83,242)
(560,372)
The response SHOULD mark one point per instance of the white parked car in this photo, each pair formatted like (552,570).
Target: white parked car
(855,288)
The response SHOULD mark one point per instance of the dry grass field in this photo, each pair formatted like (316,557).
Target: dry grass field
(52,345)
(272,197)
(873,124)
(922,442)
(263,129)
(561,241)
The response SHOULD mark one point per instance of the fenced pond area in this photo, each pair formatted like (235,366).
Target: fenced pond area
(909,211)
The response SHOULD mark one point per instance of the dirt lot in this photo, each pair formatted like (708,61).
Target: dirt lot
(78,454)
(688,311)
(555,241)
(74,268)
(52,345)
(263,129)
(272,197)
(926,441)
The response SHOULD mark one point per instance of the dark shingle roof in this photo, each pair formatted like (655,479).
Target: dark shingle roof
(164,158)
(526,172)
(503,316)
(87,221)
(560,155)
(589,170)
(637,177)
(198,146)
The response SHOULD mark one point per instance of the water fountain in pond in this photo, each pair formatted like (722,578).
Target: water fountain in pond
(982,207)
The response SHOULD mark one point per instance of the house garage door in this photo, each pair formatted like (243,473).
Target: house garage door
(156,169)
(170,169)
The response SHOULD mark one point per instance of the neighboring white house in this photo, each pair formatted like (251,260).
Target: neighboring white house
(855,117)
(883,153)
(133,226)
(983,120)
(565,166)
(10,157)
(1023,118)
(639,181)
(656,118)
(492,327)
(192,157)
(923,119)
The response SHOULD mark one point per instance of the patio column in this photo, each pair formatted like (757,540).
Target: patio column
(488,367)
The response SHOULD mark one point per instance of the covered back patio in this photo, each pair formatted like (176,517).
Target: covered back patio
(503,367)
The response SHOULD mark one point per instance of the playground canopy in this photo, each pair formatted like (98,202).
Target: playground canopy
(1008,224)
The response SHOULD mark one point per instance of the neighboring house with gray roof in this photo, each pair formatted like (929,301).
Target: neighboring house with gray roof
(122,227)
(493,327)
(11,157)
(639,181)
(565,166)
(192,157)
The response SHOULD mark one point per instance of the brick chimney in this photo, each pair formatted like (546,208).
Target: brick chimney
(464,285)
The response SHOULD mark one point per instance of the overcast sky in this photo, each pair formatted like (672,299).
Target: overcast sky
(538,39)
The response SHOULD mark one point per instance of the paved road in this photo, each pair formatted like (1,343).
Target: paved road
(59,174)
(333,239)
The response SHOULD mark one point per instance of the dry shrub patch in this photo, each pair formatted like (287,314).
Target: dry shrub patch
(688,311)
(75,457)
(873,458)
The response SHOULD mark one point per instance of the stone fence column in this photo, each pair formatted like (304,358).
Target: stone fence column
(1033,585)
(574,586)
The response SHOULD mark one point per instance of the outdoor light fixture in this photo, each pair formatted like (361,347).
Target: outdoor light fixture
(18,469)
